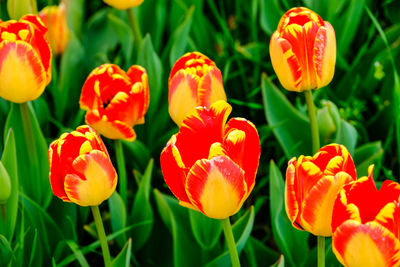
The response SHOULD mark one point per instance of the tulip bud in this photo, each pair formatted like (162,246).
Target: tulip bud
(328,120)
(18,8)
(123,4)
(303,50)
(55,19)
(5,184)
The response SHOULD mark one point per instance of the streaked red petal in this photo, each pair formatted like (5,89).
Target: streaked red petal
(244,149)
(216,187)
(369,244)
(210,88)
(174,170)
(389,217)
(292,204)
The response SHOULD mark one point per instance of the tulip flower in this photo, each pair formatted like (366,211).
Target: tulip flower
(312,185)
(25,61)
(115,101)
(210,165)
(194,81)
(80,168)
(55,18)
(366,223)
(303,50)
(123,4)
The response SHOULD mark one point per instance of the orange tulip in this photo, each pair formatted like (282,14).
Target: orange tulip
(312,184)
(123,4)
(366,224)
(25,59)
(303,50)
(55,18)
(194,81)
(115,101)
(80,168)
(210,166)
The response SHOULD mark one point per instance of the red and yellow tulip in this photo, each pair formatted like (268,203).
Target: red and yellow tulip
(55,18)
(115,101)
(366,224)
(210,165)
(194,81)
(123,4)
(25,59)
(312,185)
(80,168)
(303,50)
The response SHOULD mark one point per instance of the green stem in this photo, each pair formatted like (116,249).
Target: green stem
(135,27)
(321,251)
(123,183)
(101,235)
(313,121)
(230,241)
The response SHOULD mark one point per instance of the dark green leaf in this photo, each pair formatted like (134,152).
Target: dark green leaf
(124,257)
(206,231)
(118,216)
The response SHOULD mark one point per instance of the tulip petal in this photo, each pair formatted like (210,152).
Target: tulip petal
(94,179)
(291,202)
(200,130)
(285,63)
(369,244)
(183,89)
(140,94)
(318,205)
(174,170)
(110,129)
(243,147)
(343,211)
(216,187)
(325,54)
(211,88)
(22,75)
(389,217)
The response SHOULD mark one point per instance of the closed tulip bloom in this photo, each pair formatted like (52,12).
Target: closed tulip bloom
(80,168)
(312,185)
(303,50)
(55,19)
(366,224)
(123,4)
(115,101)
(210,165)
(194,81)
(25,59)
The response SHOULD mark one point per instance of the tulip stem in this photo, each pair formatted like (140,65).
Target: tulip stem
(230,241)
(321,251)
(135,27)
(123,183)
(101,235)
(313,121)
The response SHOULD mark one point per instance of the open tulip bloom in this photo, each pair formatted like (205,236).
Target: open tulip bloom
(366,223)
(115,101)
(25,61)
(194,81)
(210,165)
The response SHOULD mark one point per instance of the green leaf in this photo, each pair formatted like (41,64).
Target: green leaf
(347,135)
(366,155)
(291,242)
(181,36)
(137,152)
(5,251)
(118,216)
(32,150)
(263,255)
(142,210)
(206,231)
(124,257)
(280,262)
(291,128)
(186,252)
(124,34)
(270,14)
(78,254)
(241,231)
